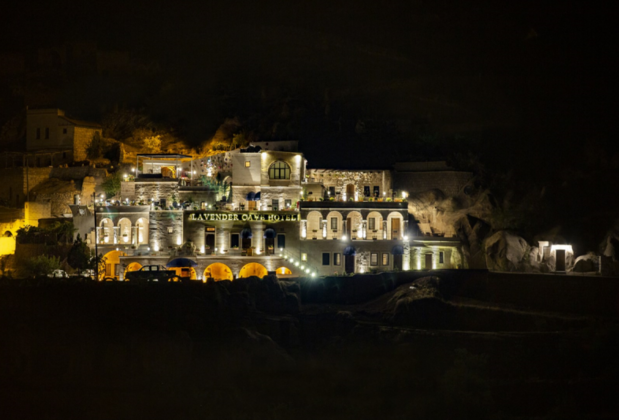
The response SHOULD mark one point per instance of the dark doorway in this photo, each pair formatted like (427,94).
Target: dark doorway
(560,256)
(397,262)
(210,243)
(428,261)
(350,192)
(349,264)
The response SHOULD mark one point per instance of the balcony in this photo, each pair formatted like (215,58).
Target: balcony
(398,204)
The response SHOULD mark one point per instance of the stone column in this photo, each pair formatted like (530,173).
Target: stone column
(222,237)
(406,258)
(257,236)
(324,229)
(385,229)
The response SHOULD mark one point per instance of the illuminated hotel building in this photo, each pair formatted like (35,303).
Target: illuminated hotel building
(253,211)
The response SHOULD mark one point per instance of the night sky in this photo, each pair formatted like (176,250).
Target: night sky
(537,69)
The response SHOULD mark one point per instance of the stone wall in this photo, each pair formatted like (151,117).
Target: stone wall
(77,173)
(16,181)
(239,194)
(37,210)
(360,179)
(198,196)
(81,139)
(127,190)
(268,194)
(59,193)
(158,234)
(451,183)
(145,190)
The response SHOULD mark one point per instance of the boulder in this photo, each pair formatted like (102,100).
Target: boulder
(587,263)
(506,251)
(419,305)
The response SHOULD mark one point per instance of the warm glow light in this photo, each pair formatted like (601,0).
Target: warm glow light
(567,248)
(405,238)
(132,169)
(156,247)
(179,241)
(313,274)
(202,249)
(344,237)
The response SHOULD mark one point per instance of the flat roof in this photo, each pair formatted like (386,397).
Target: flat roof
(162,156)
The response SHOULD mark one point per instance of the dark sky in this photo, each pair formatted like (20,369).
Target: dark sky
(523,73)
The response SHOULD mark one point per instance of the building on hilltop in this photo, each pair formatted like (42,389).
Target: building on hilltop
(55,139)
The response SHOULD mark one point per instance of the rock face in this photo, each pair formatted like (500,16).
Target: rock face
(506,252)
(465,217)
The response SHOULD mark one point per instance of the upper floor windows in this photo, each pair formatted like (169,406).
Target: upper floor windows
(279,170)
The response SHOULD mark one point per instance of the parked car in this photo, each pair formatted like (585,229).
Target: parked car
(151,273)
(58,274)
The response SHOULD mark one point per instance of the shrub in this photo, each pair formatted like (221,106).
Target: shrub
(41,265)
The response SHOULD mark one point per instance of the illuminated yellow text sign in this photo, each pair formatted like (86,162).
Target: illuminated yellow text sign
(246,217)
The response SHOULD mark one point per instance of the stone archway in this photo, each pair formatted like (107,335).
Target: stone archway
(109,269)
(218,272)
(283,271)
(253,269)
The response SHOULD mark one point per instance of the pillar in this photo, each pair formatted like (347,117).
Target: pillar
(257,237)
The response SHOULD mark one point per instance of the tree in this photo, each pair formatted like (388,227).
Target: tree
(94,150)
(41,265)
(111,185)
(80,257)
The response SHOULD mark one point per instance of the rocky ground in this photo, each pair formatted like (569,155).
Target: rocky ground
(390,346)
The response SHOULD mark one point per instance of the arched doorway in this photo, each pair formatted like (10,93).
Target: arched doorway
(218,271)
(283,271)
(334,225)
(141,231)
(106,232)
(124,226)
(109,268)
(314,222)
(253,269)
(354,225)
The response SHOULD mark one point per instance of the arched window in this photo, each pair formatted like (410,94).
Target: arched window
(279,170)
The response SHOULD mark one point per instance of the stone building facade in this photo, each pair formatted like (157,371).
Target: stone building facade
(269,222)
(51,130)
(352,185)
